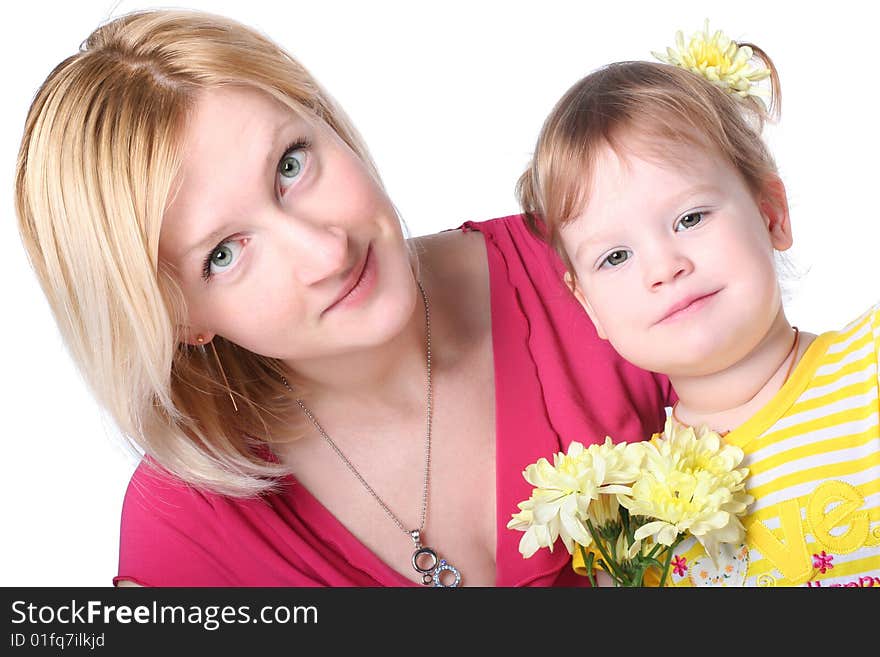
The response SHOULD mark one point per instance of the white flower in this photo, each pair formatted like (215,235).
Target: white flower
(560,501)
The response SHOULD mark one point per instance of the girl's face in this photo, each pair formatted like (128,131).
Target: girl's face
(674,259)
(279,237)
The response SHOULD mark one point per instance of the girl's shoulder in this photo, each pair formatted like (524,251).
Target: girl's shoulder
(857,339)
(869,318)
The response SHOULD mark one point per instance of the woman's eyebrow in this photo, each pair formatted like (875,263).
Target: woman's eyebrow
(273,152)
(209,240)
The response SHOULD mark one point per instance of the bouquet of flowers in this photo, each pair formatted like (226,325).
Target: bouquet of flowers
(625,507)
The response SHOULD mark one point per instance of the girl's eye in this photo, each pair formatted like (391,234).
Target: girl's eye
(616,258)
(221,258)
(688,221)
(291,165)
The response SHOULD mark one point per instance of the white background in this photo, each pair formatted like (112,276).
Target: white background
(450,99)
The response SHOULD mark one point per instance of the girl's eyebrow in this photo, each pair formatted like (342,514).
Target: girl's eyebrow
(590,240)
(701,188)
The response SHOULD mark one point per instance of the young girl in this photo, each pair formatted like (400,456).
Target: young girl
(653,183)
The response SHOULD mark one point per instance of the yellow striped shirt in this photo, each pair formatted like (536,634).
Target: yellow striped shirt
(813,454)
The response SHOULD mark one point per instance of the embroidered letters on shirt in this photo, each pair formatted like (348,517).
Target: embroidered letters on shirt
(834,505)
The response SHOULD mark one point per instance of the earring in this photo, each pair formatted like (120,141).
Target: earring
(201,340)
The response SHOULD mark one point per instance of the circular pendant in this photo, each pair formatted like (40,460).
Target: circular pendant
(426,563)
(452,569)
(431,558)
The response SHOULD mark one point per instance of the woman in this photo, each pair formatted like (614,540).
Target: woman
(319,400)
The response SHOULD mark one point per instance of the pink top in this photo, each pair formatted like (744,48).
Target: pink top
(555,381)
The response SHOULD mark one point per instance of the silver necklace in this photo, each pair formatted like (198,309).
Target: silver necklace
(424,559)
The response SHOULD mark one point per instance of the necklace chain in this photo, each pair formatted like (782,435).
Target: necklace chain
(428,420)
(424,559)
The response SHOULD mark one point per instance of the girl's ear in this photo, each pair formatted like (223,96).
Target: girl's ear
(579,295)
(773,204)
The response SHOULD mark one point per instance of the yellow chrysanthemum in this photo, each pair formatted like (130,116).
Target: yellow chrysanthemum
(604,511)
(690,483)
(718,59)
(560,502)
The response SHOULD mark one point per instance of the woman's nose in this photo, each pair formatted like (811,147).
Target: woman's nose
(321,251)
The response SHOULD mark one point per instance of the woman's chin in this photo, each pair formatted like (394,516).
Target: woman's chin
(381,320)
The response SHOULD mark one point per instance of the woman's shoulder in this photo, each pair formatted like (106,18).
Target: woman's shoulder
(159,505)
(478,234)
(455,272)
(176,534)
(456,248)
(510,233)
(155,492)
(504,247)
(155,496)
(173,533)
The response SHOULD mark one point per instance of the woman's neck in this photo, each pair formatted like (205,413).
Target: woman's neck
(392,371)
(454,274)
(725,399)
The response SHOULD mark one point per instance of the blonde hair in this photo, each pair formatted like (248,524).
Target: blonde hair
(97,167)
(661,104)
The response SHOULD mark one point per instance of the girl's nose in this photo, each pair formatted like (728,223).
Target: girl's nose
(666,267)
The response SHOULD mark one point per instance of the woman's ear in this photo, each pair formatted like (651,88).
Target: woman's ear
(194,338)
(773,204)
(581,299)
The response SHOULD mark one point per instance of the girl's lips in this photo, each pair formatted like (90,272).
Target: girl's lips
(359,284)
(687,305)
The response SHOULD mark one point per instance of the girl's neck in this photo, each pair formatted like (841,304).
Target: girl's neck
(726,399)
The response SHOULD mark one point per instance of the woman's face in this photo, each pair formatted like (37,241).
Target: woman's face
(279,237)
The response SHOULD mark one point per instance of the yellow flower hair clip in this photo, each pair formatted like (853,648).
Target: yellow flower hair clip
(718,59)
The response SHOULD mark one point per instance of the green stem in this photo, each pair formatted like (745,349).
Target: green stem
(627,525)
(611,564)
(612,547)
(669,552)
(655,550)
(640,573)
(588,562)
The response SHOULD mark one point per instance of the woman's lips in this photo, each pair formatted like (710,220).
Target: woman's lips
(358,285)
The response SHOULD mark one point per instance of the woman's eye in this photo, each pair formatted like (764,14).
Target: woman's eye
(688,221)
(616,257)
(291,166)
(221,258)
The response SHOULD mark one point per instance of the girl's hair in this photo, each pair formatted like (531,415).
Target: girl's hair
(97,167)
(662,105)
